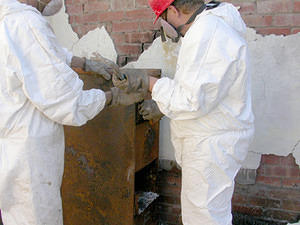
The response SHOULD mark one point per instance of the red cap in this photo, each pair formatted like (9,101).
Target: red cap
(159,6)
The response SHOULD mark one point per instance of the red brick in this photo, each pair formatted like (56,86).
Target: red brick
(96,6)
(283,20)
(169,189)
(141,3)
(257,20)
(176,210)
(124,26)
(129,49)
(296,19)
(293,205)
(281,193)
(247,7)
(111,16)
(67,2)
(295,30)
(274,6)
(140,14)
(288,160)
(239,199)
(272,181)
(88,27)
(122,4)
(287,20)
(76,29)
(170,199)
(274,30)
(264,202)
(297,6)
(275,171)
(279,214)
(75,9)
(119,38)
(293,172)
(78,19)
(261,171)
(170,218)
(270,159)
(254,211)
(145,37)
(146,25)
(71,19)
(291,183)
(90,18)
(164,208)
(108,27)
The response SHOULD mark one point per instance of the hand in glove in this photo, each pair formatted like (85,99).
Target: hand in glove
(132,82)
(101,65)
(150,111)
(120,97)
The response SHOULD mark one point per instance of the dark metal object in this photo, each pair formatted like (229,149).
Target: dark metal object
(101,160)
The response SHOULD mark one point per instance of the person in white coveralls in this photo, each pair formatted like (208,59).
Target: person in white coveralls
(208,103)
(39,93)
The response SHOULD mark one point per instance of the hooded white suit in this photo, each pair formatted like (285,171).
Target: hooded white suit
(209,104)
(38,93)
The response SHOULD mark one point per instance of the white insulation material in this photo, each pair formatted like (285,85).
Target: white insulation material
(275,81)
(94,42)
(276,93)
(63,30)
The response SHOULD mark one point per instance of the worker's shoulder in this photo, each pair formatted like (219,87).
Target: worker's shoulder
(25,18)
(203,25)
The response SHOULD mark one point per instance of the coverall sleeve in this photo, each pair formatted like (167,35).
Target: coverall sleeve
(69,56)
(206,69)
(48,82)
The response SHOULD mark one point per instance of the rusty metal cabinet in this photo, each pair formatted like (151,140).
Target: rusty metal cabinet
(102,159)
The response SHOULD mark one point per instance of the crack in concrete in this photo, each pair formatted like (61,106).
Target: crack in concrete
(295,146)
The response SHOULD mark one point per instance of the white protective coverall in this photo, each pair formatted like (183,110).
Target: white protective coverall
(38,93)
(209,104)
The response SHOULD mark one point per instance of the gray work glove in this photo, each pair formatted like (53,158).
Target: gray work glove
(102,66)
(150,111)
(120,97)
(132,82)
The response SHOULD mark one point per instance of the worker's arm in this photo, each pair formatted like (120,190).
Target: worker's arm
(48,82)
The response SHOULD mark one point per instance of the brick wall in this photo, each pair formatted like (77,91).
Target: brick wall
(169,185)
(275,196)
(271,16)
(129,23)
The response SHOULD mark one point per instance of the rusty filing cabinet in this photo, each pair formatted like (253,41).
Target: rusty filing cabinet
(108,162)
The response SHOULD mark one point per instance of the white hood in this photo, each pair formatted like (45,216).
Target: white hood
(13,6)
(230,15)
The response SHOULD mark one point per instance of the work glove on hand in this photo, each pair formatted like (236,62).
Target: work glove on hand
(120,97)
(102,66)
(132,82)
(150,111)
